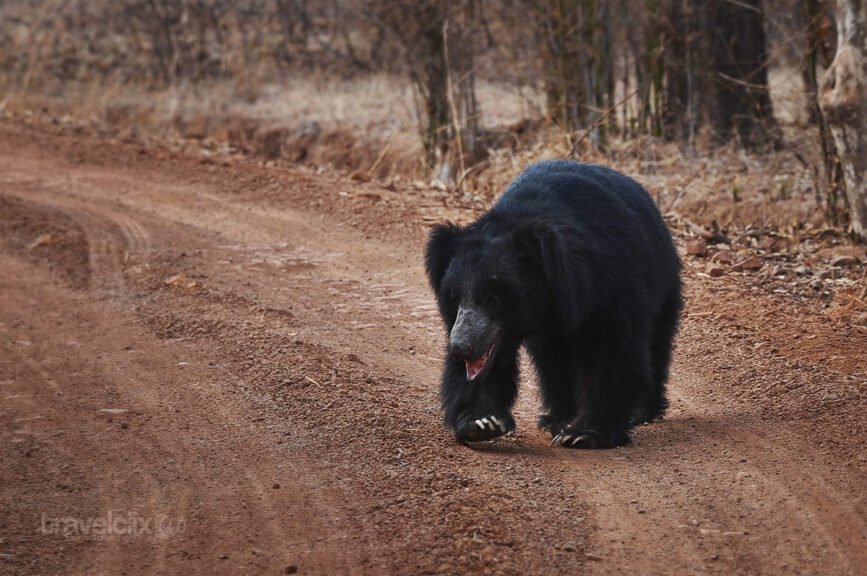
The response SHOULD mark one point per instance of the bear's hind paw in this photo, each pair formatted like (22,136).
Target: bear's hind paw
(552,424)
(572,441)
(590,439)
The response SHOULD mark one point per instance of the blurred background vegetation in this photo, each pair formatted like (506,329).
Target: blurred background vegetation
(724,94)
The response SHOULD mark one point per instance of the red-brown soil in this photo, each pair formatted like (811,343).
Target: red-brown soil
(249,356)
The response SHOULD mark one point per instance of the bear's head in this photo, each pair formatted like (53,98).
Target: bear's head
(496,284)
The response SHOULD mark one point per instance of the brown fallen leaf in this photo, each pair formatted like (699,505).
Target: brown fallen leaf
(42,240)
(844,260)
(723,257)
(751,264)
(832,252)
(696,248)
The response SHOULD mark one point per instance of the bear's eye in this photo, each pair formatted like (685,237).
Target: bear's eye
(491,301)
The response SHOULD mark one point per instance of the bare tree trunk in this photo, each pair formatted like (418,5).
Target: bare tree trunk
(842,98)
(562,22)
(820,51)
(430,73)
(459,33)
(685,67)
(741,57)
(675,116)
(652,68)
(439,41)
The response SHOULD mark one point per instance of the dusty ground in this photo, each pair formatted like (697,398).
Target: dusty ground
(241,363)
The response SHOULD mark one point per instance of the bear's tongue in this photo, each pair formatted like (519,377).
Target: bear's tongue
(475,366)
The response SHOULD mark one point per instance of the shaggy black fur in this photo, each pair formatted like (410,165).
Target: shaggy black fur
(575,262)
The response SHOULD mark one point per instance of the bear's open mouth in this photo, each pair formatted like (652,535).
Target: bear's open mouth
(479,368)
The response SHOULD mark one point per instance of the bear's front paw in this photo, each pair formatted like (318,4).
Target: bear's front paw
(479,429)
(589,439)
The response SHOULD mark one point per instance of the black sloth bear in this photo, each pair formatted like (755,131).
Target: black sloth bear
(576,263)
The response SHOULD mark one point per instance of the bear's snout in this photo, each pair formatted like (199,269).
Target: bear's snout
(471,335)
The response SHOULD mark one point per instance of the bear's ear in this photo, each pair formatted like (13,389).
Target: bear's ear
(541,242)
(545,247)
(440,250)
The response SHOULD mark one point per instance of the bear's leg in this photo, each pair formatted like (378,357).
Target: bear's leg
(479,411)
(556,368)
(662,342)
(608,385)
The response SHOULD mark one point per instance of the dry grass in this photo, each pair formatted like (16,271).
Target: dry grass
(360,123)
(366,127)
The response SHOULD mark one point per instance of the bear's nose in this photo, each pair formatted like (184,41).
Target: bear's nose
(460,348)
(471,325)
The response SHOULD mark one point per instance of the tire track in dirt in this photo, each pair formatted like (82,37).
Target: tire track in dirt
(336,339)
(774,472)
(114,237)
(203,468)
(111,235)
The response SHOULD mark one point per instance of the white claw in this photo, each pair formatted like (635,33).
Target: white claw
(488,423)
(556,439)
(499,424)
(480,425)
(579,438)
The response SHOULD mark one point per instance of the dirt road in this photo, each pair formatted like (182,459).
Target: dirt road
(240,364)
